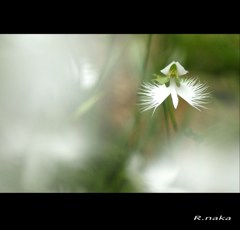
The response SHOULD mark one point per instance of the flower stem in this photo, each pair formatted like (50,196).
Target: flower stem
(165,111)
(104,68)
(171,113)
(134,136)
(148,48)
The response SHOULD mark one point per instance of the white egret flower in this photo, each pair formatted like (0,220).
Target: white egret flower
(180,70)
(191,90)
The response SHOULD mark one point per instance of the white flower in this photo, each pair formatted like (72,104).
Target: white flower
(180,70)
(191,90)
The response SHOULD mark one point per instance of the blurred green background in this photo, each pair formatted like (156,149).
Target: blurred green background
(70,121)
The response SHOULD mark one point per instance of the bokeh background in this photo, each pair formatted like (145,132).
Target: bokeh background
(70,122)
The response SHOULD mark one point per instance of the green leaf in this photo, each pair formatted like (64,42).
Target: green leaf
(161,79)
(87,105)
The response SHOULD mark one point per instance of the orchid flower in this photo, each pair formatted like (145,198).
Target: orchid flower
(191,90)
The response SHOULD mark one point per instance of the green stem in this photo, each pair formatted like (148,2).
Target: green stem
(148,48)
(137,117)
(165,111)
(145,136)
(172,117)
(106,64)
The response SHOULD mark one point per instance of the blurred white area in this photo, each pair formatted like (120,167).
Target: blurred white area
(208,168)
(188,168)
(84,69)
(155,175)
(44,78)
(44,150)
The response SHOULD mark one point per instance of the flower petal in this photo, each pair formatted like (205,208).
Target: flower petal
(152,95)
(173,91)
(180,69)
(193,92)
(167,68)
